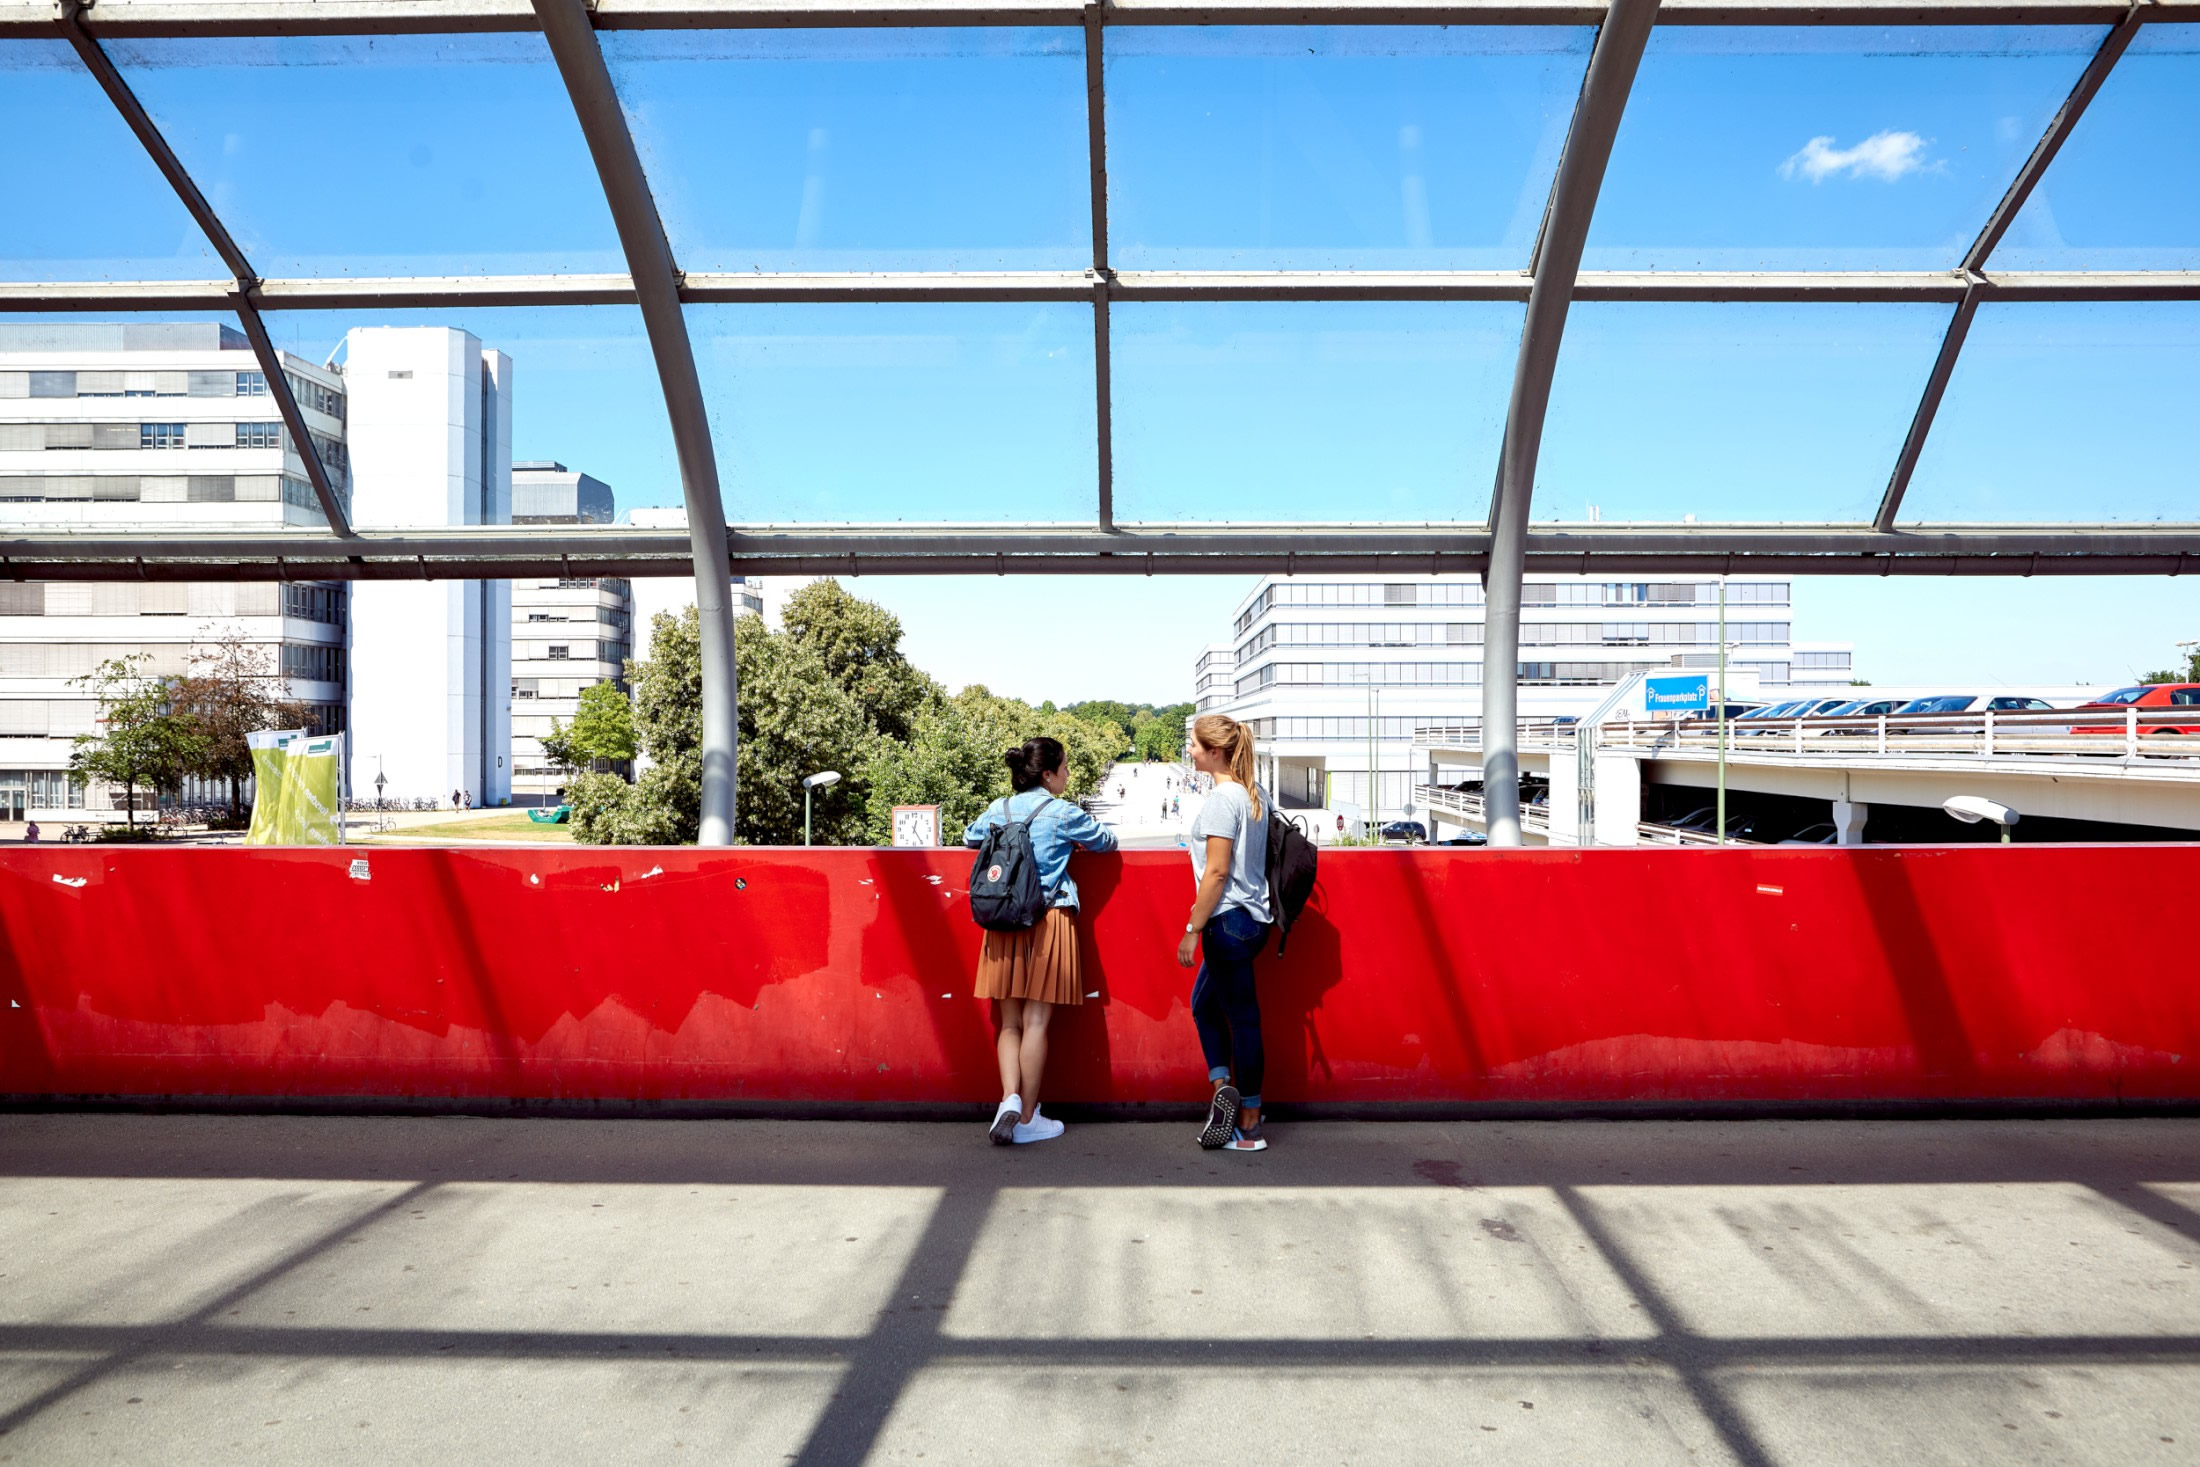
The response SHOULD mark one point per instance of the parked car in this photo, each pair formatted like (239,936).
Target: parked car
(1407,832)
(1821,834)
(2145,696)
(1468,838)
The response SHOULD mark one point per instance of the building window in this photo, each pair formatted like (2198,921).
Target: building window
(251,384)
(557,653)
(259,435)
(1838,661)
(160,435)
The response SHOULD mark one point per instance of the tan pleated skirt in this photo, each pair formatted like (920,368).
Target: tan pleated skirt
(1039,963)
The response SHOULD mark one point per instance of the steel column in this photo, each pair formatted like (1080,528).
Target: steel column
(566,26)
(1974,259)
(1604,91)
(1103,278)
(239,297)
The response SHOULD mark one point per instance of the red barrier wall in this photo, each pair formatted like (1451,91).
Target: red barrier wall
(1806,974)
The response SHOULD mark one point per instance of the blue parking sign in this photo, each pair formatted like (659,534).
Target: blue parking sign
(1677,694)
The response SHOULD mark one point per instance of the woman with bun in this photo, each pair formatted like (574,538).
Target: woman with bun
(1027,973)
(1226,929)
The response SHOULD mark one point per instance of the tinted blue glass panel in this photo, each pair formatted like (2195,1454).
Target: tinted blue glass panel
(1666,411)
(584,386)
(389,155)
(1825,147)
(2068,412)
(1310,411)
(1335,147)
(863,150)
(86,202)
(876,413)
(2124,192)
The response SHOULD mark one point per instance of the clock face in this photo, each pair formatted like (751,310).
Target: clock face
(917,825)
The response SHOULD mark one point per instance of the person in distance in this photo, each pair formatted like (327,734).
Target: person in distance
(1028,972)
(1230,921)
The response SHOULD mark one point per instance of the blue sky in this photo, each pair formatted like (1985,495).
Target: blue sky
(1300,148)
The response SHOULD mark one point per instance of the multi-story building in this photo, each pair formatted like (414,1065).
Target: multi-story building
(653,594)
(108,426)
(1335,675)
(431,444)
(567,635)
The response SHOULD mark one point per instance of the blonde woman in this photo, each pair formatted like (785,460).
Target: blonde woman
(1229,920)
(1028,972)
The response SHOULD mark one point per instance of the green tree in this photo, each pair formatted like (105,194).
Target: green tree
(859,644)
(607,811)
(2189,673)
(954,757)
(233,691)
(141,739)
(795,719)
(601,733)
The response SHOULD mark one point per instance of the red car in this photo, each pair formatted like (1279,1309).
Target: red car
(2146,697)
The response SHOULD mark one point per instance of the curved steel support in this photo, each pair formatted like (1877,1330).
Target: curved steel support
(1972,271)
(1604,90)
(572,37)
(240,298)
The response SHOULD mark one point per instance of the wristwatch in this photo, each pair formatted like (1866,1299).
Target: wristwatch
(1191,927)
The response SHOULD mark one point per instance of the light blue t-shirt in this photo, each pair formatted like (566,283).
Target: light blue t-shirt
(1229,812)
(1057,828)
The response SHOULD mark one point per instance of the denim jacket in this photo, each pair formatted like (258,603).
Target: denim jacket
(1057,827)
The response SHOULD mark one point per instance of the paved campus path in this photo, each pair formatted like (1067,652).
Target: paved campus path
(318,1290)
(1132,800)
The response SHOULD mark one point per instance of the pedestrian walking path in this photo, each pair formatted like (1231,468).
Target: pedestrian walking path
(189,1289)
(1145,804)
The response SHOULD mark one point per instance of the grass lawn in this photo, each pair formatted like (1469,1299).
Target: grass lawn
(510,827)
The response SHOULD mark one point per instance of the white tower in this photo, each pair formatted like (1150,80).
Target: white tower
(431,445)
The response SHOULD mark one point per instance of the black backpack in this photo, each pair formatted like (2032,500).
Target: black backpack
(1291,859)
(1005,894)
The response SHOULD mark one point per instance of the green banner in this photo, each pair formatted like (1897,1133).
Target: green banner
(313,784)
(270,763)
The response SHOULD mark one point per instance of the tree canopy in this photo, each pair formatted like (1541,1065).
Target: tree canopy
(142,741)
(833,690)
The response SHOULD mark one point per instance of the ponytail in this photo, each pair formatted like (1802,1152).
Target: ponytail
(1234,741)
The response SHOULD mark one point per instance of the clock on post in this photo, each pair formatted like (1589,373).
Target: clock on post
(916,825)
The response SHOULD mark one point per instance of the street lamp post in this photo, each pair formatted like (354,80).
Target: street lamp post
(811,782)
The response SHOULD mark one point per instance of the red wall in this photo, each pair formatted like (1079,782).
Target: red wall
(844,975)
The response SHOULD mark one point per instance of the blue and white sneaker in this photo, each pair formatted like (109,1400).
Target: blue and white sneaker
(1222,1114)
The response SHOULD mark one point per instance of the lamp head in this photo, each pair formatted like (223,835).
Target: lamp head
(1971,809)
(821,778)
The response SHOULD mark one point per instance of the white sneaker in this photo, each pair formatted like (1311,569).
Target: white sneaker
(1038,1128)
(1004,1120)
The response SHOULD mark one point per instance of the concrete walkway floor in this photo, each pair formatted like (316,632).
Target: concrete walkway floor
(191,1289)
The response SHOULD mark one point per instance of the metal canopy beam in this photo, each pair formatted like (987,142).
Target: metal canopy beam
(472,552)
(572,40)
(237,296)
(150,18)
(696,288)
(1974,259)
(1604,91)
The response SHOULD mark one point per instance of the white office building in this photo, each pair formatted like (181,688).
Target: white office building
(751,595)
(431,444)
(1335,675)
(107,426)
(567,634)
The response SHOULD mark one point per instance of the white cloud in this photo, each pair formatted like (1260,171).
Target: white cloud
(1883,155)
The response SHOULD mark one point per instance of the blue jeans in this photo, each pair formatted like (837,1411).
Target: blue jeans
(1224,1004)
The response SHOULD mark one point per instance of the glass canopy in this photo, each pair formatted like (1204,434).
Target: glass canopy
(1843,290)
